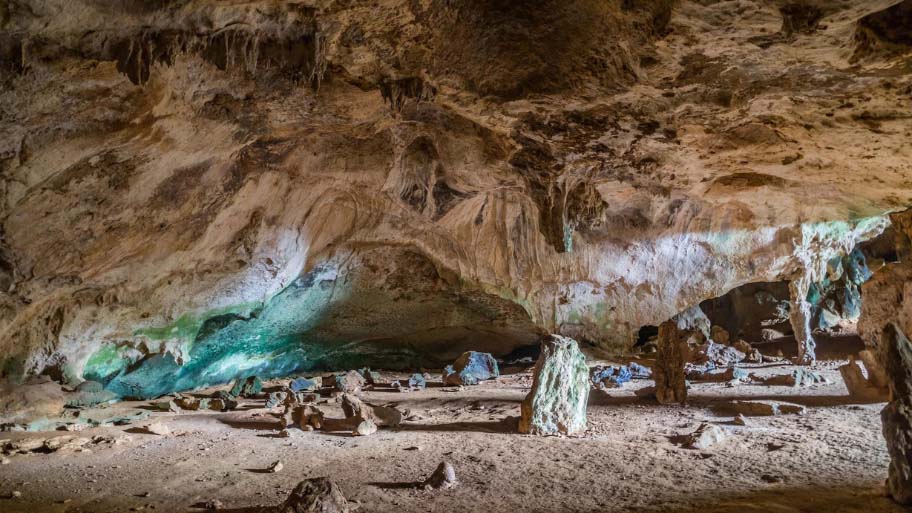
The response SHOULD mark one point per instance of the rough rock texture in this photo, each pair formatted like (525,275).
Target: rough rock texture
(208,190)
(669,373)
(317,495)
(471,368)
(556,405)
(897,414)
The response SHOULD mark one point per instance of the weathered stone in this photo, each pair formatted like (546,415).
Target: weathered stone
(417,382)
(276,466)
(560,390)
(275,399)
(858,383)
(444,477)
(705,437)
(764,408)
(671,383)
(365,428)
(157,428)
(371,377)
(897,414)
(318,495)
(350,382)
(357,410)
(717,354)
(720,336)
(716,375)
(222,404)
(302,416)
(246,387)
(305,384)
(796,378)
(472,367)
(37,399)
(187,402)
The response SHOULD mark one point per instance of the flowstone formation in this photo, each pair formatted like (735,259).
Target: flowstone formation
(556,405)
(197,191)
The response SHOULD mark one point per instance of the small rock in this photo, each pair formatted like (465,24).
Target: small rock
(214,504)
(4,460)
(16,494)
(443,477)
(350,383)
(365,428)
(797,378)
(275,399)
(358,410)
(157,428)
(765,408)
(305,384)
(276,467)
(318,495)
(246,387)
(705,437)
(470,368)
(740,420)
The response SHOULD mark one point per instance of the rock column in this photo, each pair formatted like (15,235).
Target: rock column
(800,317)
(671,385)
(556,405)
(897,414)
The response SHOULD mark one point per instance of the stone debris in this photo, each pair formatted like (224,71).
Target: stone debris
(613,376)
(356,411)
(88,394)
(713,375)
(417,382)
(214,504)
(65,443)
(717,354)
(765,408)
(246,387)
(670,378)
(350,382)
(222,404)
(365,428)
(443,477)
(370,377)
(306,384)
(300,413)
(187,402)
(275,467)
(859,384)
(556,405)
(719,335)
(706,436)
(471,368)
(796,378)
(740,420)
(157,428)
(318,495)
(275,399)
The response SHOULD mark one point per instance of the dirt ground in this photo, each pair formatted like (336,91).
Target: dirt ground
(831,459)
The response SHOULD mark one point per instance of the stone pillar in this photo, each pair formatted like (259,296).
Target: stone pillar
(556,405)
(670,380)
(800,317)
(897,414)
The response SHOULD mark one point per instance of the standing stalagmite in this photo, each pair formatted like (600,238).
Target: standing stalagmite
(670,378)
(897,414)
(557,402)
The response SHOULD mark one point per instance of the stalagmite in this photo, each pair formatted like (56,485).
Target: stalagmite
(800,317)
(670,377)
(556,405)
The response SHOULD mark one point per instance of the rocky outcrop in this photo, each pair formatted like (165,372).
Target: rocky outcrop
(198,191)
(556,405)
(897,414)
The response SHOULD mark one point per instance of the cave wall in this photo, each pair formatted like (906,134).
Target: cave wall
(180,178)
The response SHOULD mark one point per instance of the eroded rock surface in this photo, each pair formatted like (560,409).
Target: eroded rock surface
(556,405)
(198,191)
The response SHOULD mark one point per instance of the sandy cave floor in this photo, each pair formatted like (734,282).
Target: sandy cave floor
(832,459)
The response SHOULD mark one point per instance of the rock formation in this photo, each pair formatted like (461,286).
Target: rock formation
(204,191)
(556,405)
(669,373)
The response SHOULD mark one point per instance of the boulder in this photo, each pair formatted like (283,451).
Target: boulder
(318,495)
(472,367)
(897,414)
(796,378)
(717,354)
(365,428)
(357,411)
(370,377)
(670,379)
(246,387)
(560,390)
(720,336)
(350,382)
(39,398)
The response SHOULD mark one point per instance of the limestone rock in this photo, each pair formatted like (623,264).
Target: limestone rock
(157,428)
(670,377)
(37,399)
(763,408)
(897,414)
(357,410)
(857,381)
(797,378)
(318,495)
(365,428)
(717,354)
(444,477)
(350,382)
(560,390)
(305,384)
(705,437)
(472,367)
(246,387)
(720,336)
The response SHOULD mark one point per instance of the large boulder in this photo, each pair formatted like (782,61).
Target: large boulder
(472,367)
(560,390)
